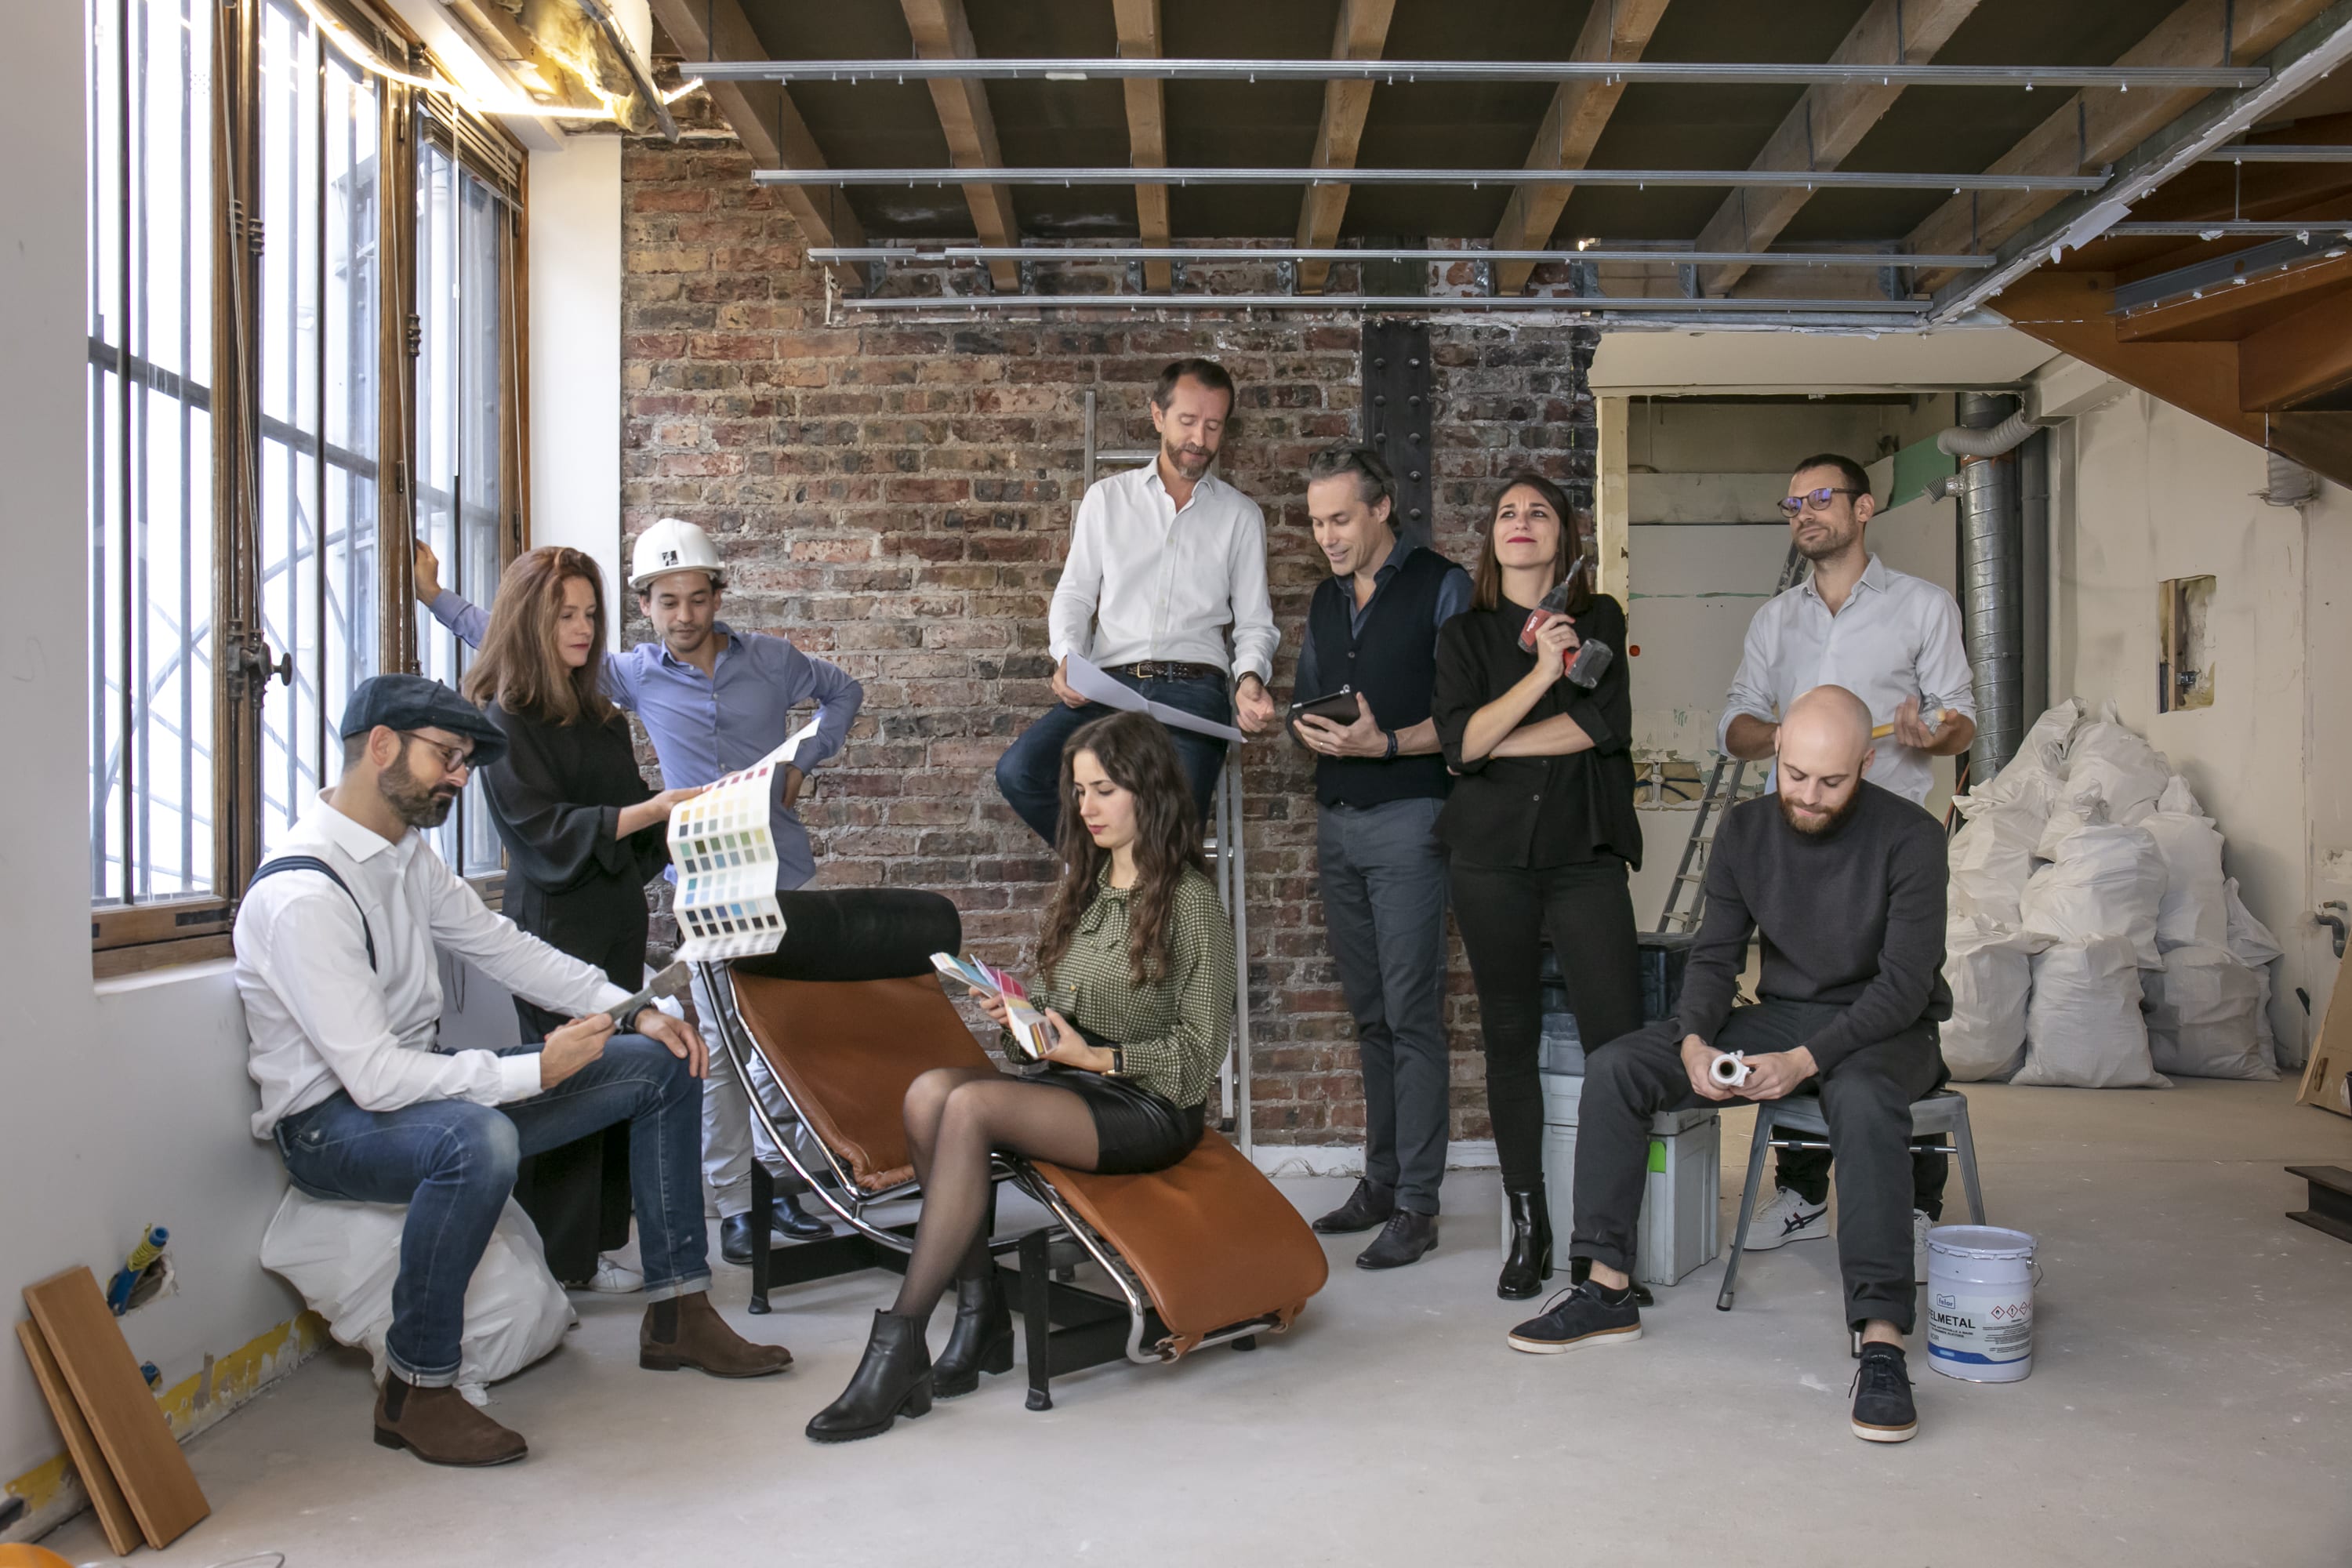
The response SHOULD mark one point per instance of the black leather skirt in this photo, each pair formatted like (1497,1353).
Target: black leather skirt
(1136,1129)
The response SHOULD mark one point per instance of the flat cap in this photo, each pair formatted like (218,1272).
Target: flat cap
(417,702)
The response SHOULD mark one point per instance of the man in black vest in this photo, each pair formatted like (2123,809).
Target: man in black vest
(1371,631)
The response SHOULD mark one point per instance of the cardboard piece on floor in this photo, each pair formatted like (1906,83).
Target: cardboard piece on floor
(81,1445)
(129,1427)
(2325,1076)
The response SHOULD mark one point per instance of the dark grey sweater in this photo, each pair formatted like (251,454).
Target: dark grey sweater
(1853,917)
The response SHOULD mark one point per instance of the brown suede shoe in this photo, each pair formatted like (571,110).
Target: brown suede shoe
(439,1428)
(687,1331)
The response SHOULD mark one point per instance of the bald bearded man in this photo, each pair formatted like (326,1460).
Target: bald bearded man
(1845,880)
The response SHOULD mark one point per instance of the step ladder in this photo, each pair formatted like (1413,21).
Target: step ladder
(1730,783)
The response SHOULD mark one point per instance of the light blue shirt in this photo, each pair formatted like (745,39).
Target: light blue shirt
(703,728)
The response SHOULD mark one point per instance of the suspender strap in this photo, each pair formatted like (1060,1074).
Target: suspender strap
(312,863)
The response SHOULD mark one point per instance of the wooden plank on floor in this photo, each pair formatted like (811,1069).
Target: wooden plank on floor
(122,1414)
(81,1445)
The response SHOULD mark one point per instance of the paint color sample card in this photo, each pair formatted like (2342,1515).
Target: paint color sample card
(87,1343)
(725,859)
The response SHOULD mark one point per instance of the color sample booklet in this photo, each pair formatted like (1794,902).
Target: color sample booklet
(1031,1037)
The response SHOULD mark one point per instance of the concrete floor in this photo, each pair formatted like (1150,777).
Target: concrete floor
(2191,1403)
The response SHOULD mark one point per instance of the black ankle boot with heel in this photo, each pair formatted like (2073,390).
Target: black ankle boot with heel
(892,1380)
(981,1339)
(1528,1264)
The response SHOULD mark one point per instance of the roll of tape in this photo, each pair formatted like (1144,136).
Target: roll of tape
(1729,1069)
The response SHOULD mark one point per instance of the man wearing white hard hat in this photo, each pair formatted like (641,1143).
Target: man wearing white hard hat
(714,700)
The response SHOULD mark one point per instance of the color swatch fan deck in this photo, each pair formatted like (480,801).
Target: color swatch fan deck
(726,860)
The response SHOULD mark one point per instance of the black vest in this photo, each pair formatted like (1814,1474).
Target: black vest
(1394,665)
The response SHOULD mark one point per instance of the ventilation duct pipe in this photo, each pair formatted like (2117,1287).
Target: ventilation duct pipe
(1992,571)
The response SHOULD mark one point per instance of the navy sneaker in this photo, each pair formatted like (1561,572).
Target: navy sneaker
(1581,1316)
(1883,1412)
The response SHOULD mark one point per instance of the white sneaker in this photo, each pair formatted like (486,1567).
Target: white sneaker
(613,1279)
(1786,1218)
(1920,1226)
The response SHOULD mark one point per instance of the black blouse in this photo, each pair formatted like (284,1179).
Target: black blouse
(572,881)
(1536,811)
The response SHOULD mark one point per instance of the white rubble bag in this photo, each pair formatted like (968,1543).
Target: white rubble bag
(2250,942)
(2193,912)
(1991,858)
(1989,969)
(2083,1024)
(343,1257)
(2106,880)
(2109,758)
(2032,778)
(2201,1007)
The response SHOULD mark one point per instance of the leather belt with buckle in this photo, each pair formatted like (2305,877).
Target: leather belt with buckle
(1164,670)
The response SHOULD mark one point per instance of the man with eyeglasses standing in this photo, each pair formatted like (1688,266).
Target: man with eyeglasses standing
(1893,640)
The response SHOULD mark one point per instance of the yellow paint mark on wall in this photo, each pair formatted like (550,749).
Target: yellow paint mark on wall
(40,1485)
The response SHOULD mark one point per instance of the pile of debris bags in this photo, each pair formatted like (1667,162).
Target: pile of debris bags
(2094,940)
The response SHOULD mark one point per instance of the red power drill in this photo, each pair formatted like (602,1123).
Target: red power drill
(1584,666)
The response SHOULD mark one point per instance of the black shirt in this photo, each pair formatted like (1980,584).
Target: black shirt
(1536,811)
(1853,916)
(572,881)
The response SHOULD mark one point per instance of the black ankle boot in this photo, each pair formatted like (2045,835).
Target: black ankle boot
(894,1380)
(981,1339)
(1528,1263)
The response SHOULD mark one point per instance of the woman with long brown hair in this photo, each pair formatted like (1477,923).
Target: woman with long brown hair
(584,834)
(1540,827)
(1136,961)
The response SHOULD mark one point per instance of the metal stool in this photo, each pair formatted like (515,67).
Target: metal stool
(1946,1110)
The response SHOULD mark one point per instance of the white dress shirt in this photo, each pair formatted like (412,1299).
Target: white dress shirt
(1160,582)
(1897,637)
(321,1020)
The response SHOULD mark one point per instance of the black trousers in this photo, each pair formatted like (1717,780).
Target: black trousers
(1506,914)
(1866,1099)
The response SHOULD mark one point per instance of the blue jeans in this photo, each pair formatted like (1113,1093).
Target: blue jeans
(1029,773)
(452,1161)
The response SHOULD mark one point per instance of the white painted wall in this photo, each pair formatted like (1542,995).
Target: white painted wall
(574,241)
(2148,492)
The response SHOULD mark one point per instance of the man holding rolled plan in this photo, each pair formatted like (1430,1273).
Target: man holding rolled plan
(1893,640)
(1845,882)
(1165,561)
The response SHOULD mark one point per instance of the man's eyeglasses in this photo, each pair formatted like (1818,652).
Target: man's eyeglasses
(453,760)
(1818,499)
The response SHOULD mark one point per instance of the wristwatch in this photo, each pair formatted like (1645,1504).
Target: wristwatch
(1118,1068)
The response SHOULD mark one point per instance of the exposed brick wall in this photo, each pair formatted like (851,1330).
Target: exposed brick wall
(897,498)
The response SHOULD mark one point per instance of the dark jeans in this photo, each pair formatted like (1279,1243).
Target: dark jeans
(1029,773)
(453,1163)
(1506,914)
(1866,1099)
(1383,874)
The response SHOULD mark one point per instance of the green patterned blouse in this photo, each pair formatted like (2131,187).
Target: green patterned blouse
(1175,1031)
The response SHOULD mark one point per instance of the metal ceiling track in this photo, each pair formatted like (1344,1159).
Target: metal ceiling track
(2278,152)
(1123,174)
(1121,253)
(1586,304)
(2237,228)
(1611,72)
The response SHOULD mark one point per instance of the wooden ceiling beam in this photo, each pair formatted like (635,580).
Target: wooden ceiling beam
(2299,358)
(2069,310)
(1614,30)
(942,31)
(1363,32)
(2097,125)
(764,120)
(1137,22)
(1828,123)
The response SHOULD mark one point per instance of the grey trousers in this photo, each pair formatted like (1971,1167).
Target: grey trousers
(1383,875)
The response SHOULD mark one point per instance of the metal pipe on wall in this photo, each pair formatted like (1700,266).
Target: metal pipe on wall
(1992,605)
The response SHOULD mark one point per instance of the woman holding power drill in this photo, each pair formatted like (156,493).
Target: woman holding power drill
(1540,824)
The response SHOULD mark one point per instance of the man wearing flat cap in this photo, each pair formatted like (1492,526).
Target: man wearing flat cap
(335,962)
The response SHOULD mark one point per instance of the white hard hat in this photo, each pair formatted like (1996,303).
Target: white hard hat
(673,545)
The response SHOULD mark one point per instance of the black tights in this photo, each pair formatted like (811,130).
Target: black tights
(955,1117)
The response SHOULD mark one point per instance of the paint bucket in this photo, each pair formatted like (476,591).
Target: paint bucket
(1980,1302)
